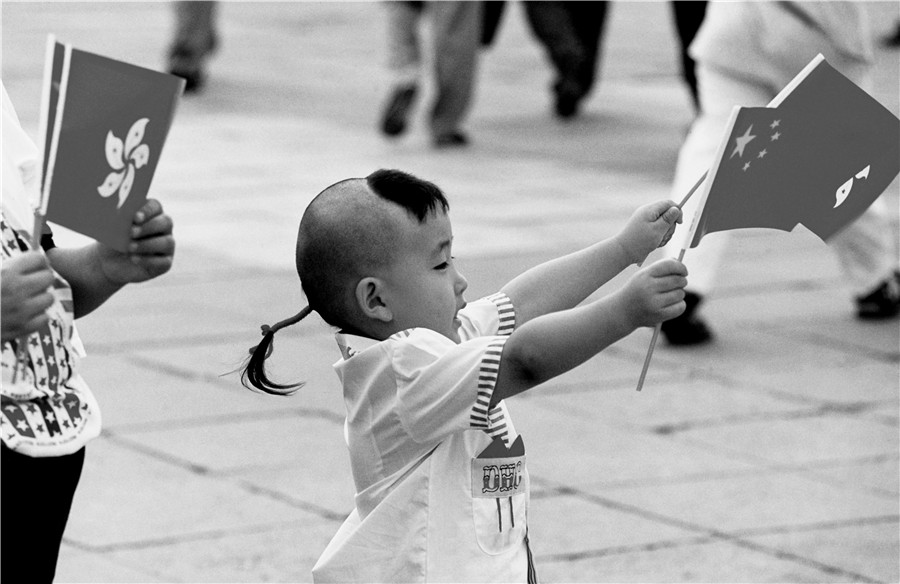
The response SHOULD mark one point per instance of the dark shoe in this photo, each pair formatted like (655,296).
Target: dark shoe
(451,140)
(687,328)
(568,95)
(892,40)
(188,62)
(883,302)
(396,113)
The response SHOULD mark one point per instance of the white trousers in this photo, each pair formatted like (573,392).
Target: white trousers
(866,249)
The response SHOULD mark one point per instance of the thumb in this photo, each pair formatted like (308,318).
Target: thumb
(672,215)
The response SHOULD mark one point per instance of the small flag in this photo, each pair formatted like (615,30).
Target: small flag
(819,158)
(107,122)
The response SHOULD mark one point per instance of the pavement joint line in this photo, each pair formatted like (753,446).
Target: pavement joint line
(826,409)
(225,420)
(714,534)
(808,469)
(245,485)
(836,524)
(856,349)
(211,534)
(624,549)
(760,461)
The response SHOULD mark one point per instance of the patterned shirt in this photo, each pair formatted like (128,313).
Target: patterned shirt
(48,410)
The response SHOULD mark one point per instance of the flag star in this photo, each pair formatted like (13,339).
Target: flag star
(762,153)
(11,408)
(746,166)
(775,124)
(776,136)
(22,425)
(741,142)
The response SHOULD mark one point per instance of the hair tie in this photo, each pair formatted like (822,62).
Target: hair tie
(267,329)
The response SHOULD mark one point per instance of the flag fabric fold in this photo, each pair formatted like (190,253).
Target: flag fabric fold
(818,158)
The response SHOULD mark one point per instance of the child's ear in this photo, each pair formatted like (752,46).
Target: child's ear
(369,297)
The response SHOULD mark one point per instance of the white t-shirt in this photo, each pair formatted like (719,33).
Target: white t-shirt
(442,485)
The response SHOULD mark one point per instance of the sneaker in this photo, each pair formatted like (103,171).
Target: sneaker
(451,140)
(396,114)
(687,328)
(883,302)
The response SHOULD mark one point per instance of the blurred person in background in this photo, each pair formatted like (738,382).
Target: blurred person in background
(457,34)
(571,32)
(194,41)
(746,52)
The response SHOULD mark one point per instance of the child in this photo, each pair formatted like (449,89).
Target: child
(440,471)
(49,413)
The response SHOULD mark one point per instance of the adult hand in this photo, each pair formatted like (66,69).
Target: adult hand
(25,288)
(150,251)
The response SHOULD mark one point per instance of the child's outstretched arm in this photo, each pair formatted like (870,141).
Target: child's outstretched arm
(554,343)
(565,282)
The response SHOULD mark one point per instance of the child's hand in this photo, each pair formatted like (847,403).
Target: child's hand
(150,251)
(650,227)
(25,283)
(656,293)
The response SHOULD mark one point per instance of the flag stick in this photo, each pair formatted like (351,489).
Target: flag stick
(695,220)
(659,326)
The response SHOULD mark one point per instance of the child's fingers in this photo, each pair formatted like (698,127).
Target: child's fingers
(154,265)
(159,224)
(163,245)
(149,210)
(666,267)
(672,215)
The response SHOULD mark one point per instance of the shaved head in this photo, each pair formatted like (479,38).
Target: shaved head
(351,229)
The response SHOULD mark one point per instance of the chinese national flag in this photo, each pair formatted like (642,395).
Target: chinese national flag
(106,123)
(820,158)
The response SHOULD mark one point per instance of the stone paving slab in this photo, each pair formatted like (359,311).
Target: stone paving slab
(770,456)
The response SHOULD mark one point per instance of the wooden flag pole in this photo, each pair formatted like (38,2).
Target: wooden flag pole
(659,326)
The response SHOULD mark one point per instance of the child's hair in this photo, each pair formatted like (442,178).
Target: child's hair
(343,233)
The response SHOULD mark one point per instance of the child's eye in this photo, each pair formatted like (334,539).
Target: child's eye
(444,265)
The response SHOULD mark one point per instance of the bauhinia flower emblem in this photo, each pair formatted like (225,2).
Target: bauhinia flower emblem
(124,158)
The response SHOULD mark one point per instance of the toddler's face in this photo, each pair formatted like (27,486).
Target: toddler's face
(422,286)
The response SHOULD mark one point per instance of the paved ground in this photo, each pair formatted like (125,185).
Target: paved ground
(769,456)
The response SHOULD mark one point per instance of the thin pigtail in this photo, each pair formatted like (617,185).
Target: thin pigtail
(254,373)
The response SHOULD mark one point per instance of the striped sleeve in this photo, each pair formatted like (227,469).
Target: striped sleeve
(487,379)
(505,313)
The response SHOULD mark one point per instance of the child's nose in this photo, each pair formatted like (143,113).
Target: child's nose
(461,283)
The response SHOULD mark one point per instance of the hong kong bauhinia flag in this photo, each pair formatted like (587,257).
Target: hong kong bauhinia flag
(817,156)
(105,123)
